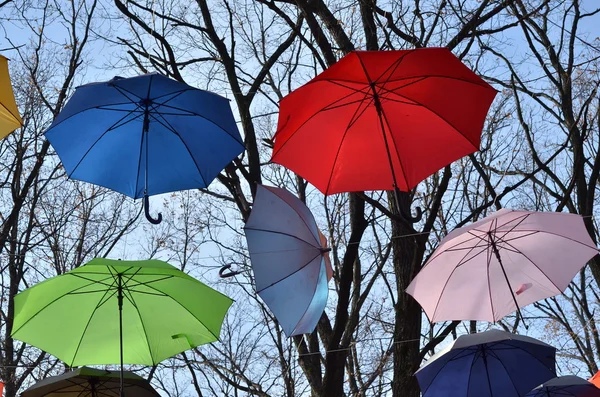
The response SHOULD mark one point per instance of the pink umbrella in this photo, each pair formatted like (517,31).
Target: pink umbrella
(501,263)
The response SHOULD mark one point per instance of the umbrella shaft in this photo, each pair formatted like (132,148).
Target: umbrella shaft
(120,301)
(380,116)
(497,253)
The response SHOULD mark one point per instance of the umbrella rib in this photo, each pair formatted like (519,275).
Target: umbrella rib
(321,264)
(387,123)
(98,140)
(203,117)
(309,119)
(441,118)
(133,303)
(100,303)
(452,248)
(350,124)
(192,314)
(554,234)
(357,90)
(384,118)
(447,282)
(493,353)
(170,127)
(16,118)
(124,91)
(46,306)
(283,234)
(483,84)
(536,266)
(393,67)
(489,251)
(457,353)
(334,107)
(289,275)
(505,343)
(308,227)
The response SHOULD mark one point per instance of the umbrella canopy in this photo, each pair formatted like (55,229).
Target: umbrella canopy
(572,386)
(489,364)
(9,114)
(505,261)
(90,382)
(145,135)
(289,258)
(76,316)
(379,120)
(596,379)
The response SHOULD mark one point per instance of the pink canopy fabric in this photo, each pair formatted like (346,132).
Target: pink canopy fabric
(539,252)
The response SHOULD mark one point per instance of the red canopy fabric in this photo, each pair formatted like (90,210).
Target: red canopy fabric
(596,379)
(429,104)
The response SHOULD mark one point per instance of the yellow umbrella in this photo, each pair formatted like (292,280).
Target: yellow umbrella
(9,114)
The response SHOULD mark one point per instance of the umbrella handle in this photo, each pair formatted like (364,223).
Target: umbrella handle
(222,273)
(147,212)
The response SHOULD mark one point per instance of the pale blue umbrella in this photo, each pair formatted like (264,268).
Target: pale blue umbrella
(289,259)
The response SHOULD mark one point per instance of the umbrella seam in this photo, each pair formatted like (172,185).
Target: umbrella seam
(133,303)
(174,132)
(446,284)
(86,326)
(321,264)
(312,218)
(46,306)
(317,247)
(98,140)
(492,352)
(276,152)
(207,119)
(536,266)
(383,117)
(343,139)
(289,275)
(193,315)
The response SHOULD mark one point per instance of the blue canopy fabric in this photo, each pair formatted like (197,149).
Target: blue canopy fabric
(571,386)
(489,364)
(289,259)
(145,135)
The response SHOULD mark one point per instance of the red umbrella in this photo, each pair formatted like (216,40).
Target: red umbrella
(379,120)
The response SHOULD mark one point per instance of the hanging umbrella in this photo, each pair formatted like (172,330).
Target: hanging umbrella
(9,114)
(505,261)
(382,120)
(489,364)
(112,311)
(145,135)
(91,382)
(572,386)
(289,259)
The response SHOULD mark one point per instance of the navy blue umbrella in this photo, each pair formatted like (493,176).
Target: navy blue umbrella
(489,364)
(571,386)
(145,135)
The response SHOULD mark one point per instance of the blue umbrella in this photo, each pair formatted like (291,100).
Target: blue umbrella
(145,135)
(571,386)
(489,364)
(289,258)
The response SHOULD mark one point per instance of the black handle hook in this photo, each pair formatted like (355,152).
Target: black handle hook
(147,212)
(222,273)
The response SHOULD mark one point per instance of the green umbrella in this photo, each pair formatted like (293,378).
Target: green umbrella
(112,311)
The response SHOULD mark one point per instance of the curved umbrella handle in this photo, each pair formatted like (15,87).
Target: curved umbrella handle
(147,212)
(222,273)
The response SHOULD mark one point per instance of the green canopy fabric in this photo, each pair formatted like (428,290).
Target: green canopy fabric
(75,316)
(91,382)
